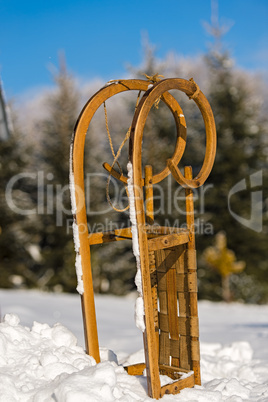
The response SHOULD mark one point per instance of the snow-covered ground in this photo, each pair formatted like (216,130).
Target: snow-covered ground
(40,360)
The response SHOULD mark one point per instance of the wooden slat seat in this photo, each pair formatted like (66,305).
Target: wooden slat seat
(173,281)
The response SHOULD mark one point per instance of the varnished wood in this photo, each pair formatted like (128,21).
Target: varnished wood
(114,173)
(153,276)
(195,353)
(186,282)
(189,282)
(149,218)
(168,241)
(141,115)
(150,346)
(162,230)
(187,325)
(149,194)
(107,237)
(167,255)
(177,386)
(172,370)
(180,122)
(81,128)
(173,312)
(164,350)
(135,369)
(125,234)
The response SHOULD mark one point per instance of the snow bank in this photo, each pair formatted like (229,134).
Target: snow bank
(45,364)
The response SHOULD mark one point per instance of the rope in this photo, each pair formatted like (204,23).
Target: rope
(110,139)
(155,78)
(151,78)
(197,90)
(116,156)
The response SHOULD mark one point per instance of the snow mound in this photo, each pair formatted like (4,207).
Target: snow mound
(44,364)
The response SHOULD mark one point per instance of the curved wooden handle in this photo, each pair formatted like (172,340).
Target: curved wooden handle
(186,183)
(210,154)
(193,92)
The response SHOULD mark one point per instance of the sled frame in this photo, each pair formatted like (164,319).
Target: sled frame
(80,214)
(171,341)
(168,256)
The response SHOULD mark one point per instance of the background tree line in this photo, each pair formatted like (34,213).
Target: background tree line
(36,245)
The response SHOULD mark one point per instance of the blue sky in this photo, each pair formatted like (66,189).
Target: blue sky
(100,37)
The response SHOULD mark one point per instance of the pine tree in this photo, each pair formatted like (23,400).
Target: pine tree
(55,217)
(19,251)
(239,156)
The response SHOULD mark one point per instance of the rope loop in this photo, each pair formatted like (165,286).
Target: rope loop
(116,156)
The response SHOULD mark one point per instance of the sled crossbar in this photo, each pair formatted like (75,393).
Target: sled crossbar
(170,236)
(175,373)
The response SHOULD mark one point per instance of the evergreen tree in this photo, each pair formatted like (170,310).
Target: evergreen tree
(39,247)
(55,217)
(19,253)
(239,156)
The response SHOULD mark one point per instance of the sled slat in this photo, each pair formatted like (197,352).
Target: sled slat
(186,282)
(177,386)
(173,312)
(173,372)
(164,348)
(163,322)
(167,241)
(175,351)
(185,358)
(189,326)
(154,294)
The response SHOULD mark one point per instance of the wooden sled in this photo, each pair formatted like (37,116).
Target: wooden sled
(167,256)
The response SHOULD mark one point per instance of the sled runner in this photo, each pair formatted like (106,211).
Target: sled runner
(166,257)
